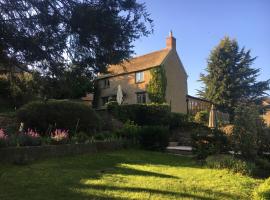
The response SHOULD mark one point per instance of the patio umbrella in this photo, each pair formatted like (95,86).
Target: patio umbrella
(119,95)
(212,117)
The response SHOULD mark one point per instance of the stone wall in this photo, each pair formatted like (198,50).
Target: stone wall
(22,155)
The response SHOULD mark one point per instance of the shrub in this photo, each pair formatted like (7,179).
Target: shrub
(59,137)
(248,126)
(44,116)
(153,137)
(206,141)
(202,117)
(81,137)
(231,163)
(130,131)
(3,138)
(263,191)
(141,114)
(29,138)
(105,136)
(177,120)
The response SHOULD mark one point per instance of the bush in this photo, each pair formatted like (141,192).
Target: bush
(248,126)
(202,117)
(177,120)
(29,138)
(105,136)
(153,137)
(206,141)
(263,191)
(231,163)
(44,116)
(141,114)
(129,131)
(81,137)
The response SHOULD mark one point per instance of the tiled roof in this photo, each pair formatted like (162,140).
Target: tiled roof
(138,63)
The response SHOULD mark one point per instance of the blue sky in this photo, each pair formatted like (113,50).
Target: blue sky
(198,26)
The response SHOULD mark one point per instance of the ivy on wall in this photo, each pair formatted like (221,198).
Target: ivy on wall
(156,88)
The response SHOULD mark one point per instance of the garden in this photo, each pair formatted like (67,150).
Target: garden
(227,163)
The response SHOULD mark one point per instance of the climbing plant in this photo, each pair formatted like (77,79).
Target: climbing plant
(156,88)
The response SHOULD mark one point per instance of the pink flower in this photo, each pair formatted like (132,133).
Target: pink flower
(59,135)
(32,133)
(3,135)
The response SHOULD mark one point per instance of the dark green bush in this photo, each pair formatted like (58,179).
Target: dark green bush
(43,116)
(206,141)
(177,120)
(26,140)
(263,191)
(231,163)
(105,136)
(81,137)
(130,131)
(141,114)
(153,137)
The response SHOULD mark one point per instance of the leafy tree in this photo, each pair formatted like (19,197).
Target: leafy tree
(156,88)
(52,35)
(229,77)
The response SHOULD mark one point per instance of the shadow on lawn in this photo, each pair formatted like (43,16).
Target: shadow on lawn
(61,178)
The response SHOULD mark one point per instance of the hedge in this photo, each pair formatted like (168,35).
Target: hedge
(141,114)
(63,114)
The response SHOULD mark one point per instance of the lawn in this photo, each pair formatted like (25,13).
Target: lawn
(126,174)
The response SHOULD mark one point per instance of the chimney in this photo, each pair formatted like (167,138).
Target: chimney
(171,42)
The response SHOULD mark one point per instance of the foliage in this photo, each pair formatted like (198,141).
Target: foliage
(61,33)
(81,137)
(264,141)
(130,131)
(263,191)
(156,88)
(206,141)
(202,117)
(104,175)
(105,136)
(141,114)
(177,120)
(248,127)
(18,89)
(29,138)
(229,77)
(59,136)
(46,116)
(153,137)
(231,163)
(71,85)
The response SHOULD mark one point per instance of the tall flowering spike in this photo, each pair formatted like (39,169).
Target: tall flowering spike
(3,135)
(32,133)
(59,135)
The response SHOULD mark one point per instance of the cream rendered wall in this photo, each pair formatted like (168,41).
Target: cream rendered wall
(176,90)
(129,87)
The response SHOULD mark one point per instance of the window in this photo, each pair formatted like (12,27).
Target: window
(139,77)
(106,83)
(105,100)
(141,97)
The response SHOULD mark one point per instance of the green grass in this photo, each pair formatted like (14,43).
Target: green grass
(126,174)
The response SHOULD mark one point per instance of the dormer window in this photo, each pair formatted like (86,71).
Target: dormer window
(106,83)
(139,77)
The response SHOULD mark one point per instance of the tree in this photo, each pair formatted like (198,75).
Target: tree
(230,79)
(52,35)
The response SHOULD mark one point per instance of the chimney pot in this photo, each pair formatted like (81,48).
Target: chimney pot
(171,42)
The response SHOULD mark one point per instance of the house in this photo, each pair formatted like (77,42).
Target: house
(266,110)
(134,75)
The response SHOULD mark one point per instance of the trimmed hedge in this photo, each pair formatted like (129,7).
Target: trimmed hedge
(141,114)
(42,116)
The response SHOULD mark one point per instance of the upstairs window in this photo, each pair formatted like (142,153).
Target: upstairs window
(139,77)
(106,83)
(141,97)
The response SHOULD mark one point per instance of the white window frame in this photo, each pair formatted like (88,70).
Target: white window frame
(139,77)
